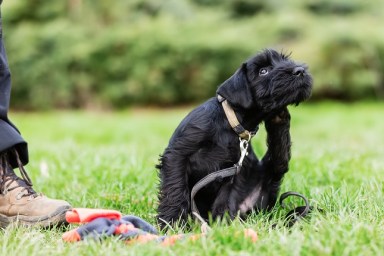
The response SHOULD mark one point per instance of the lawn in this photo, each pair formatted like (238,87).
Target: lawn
(106,160)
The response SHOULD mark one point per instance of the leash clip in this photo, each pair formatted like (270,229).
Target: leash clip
(243,150)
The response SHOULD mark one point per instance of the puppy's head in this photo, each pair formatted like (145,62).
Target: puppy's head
(268,82)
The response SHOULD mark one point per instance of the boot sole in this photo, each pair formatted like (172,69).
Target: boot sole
(57,218)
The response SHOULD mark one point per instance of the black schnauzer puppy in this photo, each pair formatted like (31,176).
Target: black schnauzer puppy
(204,142)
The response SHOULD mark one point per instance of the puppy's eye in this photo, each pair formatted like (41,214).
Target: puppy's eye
(263,72)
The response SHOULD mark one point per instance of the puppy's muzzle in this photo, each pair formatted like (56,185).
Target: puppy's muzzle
(298,71)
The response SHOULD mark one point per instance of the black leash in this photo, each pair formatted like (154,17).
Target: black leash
(290,219)
(218,175)
(297,213)
(221,174)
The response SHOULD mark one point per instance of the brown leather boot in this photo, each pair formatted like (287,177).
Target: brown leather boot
(19,203)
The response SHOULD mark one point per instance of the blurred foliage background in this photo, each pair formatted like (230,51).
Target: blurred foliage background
(114,54)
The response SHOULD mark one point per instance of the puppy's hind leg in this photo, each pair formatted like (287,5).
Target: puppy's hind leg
(279,143)
(276,159)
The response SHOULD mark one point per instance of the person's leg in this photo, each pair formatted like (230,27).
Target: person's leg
(18,201)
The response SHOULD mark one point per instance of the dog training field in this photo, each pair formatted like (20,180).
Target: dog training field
(107,160)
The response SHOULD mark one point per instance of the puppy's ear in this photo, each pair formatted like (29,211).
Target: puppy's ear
(236,89)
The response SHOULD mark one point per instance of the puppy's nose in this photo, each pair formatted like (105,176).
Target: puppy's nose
(298,71)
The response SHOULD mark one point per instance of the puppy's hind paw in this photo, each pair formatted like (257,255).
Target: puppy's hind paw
(282,117)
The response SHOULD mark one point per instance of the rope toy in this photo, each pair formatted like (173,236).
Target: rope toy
(102,223)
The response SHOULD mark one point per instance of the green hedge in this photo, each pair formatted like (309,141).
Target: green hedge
(83,53)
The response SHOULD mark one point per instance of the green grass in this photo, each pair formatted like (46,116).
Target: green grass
(107,160)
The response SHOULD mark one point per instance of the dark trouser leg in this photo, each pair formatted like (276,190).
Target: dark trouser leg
(9,135)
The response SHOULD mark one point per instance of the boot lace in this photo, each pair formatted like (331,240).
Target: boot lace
(9,177)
